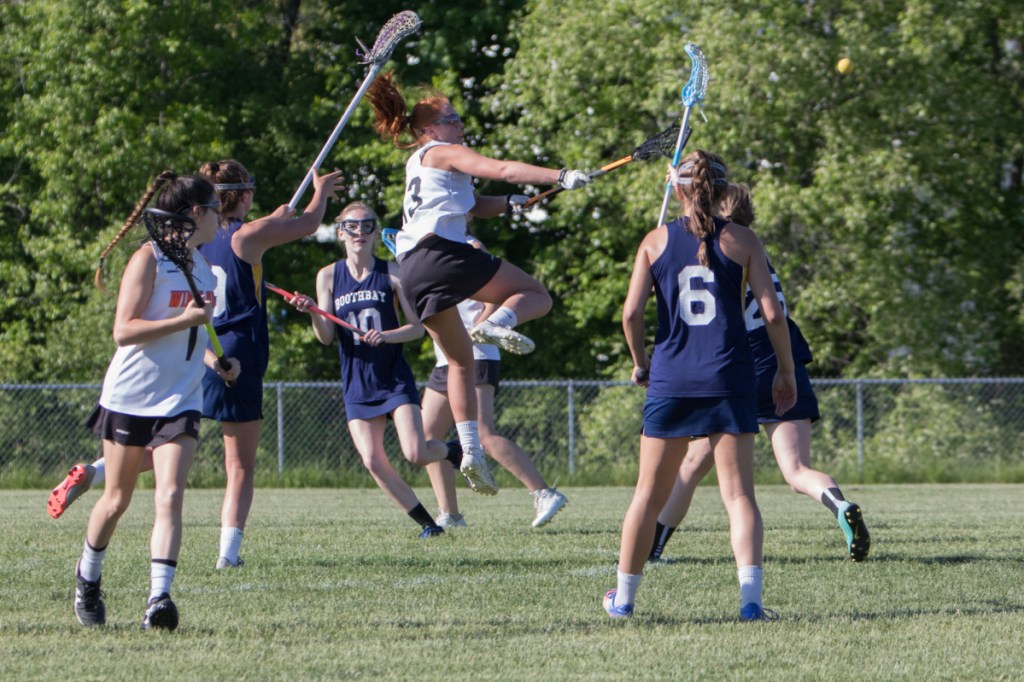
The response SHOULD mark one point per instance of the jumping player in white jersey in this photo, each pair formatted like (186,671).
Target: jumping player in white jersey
(152,393)
(439,270)
(437,420)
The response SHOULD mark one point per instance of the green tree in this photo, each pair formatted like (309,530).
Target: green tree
(880,194)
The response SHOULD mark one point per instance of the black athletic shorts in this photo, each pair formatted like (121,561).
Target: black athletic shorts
(132,431)
(438,274)
(487,372)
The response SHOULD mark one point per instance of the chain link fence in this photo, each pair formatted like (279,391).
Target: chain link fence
(578,432)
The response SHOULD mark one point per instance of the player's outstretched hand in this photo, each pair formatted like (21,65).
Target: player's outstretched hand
(573,179)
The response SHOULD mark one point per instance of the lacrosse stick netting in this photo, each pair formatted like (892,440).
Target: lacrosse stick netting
(398,27)
(692,95)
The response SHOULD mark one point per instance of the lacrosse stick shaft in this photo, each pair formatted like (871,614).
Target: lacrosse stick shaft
(595,174)
(319,311)
(374,70)
(683,137)
(214,341)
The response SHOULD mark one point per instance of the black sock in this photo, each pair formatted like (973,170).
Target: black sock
(420,516)
(831,499)
(661,535)
(454,453)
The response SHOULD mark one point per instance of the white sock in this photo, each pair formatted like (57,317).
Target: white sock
(90,566)
(230,543)
(750,585)
(100,466)
(503,317)
(469,435)
(625,592)
(161,575)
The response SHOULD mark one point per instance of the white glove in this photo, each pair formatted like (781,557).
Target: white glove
(573,179)
(514,204)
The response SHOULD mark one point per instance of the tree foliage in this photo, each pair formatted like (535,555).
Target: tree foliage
(889,198)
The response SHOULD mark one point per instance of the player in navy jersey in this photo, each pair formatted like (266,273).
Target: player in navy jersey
(439,270)
(700,378)
(790,434)
(241,322)
(152,393)
(365,291)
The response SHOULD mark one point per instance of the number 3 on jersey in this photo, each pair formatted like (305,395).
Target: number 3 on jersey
(413,200)
(696,306)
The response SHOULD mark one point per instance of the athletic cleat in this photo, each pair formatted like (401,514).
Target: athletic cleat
(78,480)
(613,611)
(448,521)
(548,502)
(851,521)
(505,338)
(224,562)
(755,612)
(478,474)
(432,532)
(89,607)
(161,614)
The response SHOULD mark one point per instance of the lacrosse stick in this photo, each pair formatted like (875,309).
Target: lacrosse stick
(693,94)
(319,311)
(398,27)
(661,144)
(171,231)
(388,235)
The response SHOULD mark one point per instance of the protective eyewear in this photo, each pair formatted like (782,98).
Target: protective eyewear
(451,119)
(354,227)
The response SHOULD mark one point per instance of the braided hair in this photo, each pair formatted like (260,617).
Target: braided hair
(176,195)
(701,181)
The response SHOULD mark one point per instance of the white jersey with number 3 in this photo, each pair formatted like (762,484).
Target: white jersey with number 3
(436,202)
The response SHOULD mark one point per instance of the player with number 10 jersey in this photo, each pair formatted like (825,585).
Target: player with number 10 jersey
(375,377)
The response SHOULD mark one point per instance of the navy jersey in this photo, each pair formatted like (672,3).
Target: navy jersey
(240,318)
(700,348)
(757,335)
(369,374)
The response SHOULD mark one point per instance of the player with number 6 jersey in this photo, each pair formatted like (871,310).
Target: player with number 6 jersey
(701,377)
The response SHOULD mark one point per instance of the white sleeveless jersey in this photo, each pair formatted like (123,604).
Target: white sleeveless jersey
(436,202)
(469,310)
(163,377)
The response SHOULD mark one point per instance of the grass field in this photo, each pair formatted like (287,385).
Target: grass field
(337,586)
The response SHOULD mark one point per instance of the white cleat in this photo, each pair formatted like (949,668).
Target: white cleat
(449,521)
(548,502)
(478,474)
(505,338)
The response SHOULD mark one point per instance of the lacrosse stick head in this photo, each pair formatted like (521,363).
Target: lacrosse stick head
(171,232)
(388,236)
(697,85)
(398,27)
(662,144)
